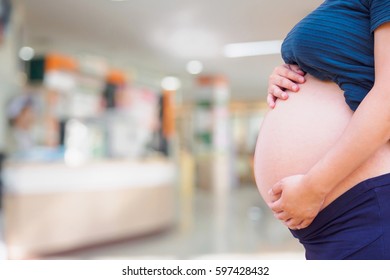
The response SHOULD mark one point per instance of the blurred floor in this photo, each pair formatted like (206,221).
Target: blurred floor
(234,225)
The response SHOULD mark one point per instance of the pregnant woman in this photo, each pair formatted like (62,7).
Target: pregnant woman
(322,160)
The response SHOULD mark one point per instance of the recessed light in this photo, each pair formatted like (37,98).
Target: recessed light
(194,67)
(252,48)
(26,53)
(170,83)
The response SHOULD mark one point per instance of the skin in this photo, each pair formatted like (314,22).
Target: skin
(283,77)
(296,200)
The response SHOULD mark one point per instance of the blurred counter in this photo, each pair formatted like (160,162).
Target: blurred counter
(50,208)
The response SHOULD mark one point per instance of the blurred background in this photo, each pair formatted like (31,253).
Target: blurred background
(127,128)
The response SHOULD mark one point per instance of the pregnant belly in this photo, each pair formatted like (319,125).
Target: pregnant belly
(300,130)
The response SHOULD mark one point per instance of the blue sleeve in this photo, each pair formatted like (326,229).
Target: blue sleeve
(379,13)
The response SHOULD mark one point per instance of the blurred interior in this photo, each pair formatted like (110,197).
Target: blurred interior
(127,131)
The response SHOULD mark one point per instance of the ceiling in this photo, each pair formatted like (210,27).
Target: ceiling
(158,37)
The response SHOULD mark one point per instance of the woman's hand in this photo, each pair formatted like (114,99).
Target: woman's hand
(295,202)
(284,77)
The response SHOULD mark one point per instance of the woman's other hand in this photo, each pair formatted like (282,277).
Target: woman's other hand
(294,202)
(284,77)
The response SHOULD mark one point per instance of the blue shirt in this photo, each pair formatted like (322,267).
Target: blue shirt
(336,42)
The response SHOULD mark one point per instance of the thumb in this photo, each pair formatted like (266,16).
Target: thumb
(277,188)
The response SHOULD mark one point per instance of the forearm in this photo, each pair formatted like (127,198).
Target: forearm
(367,131)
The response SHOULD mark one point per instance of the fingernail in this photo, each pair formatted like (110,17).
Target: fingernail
(295,87)
(284,95)
(302,79)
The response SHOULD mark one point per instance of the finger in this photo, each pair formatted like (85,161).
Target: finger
(280,82)
(286,223)
(293,224)
(305,224)
(283,216)
(271,100)
(275,197)
(276,206)
(297,70)
(276,91)
(270,204)
(300,226)
(290,75)
(276,189)
(286,83)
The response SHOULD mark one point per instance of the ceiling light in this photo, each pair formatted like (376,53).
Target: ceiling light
(252,48)
(26,53)
(194,67)
(186,43)
(170,83)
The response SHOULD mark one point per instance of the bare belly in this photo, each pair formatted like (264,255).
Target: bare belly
(300,130)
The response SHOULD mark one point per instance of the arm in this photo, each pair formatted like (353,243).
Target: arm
(301,196)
